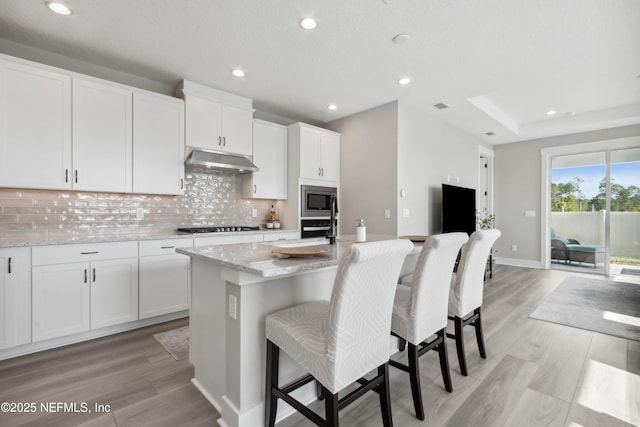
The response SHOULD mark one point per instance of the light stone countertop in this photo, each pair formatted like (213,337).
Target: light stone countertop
(258,258)
(122,237)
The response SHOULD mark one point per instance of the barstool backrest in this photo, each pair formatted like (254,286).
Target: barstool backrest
(429,296)
(468,283)
(361,306)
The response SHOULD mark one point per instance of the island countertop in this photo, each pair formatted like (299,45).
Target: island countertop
(260,260)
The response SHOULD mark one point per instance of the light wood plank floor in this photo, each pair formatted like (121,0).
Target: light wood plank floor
(536,374)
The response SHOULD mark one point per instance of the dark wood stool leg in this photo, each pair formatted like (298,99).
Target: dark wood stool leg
(330,408)
(444,360)
(385,395)
(402,344)
(457,321)
(414,377)
(319,390)
(479,335)
(271,381)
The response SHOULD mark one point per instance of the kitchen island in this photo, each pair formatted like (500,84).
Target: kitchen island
(233,289)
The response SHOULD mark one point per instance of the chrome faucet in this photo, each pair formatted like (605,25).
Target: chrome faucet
(331,234)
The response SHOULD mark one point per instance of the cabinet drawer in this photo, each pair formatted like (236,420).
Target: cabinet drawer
(163,247)
(59,254)
(271,236)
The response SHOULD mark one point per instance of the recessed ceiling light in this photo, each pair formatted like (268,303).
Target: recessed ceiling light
(237,72)
(490,133)
(308,23)
(332,107)
(58,8)
(400,38)
(551,112)
(404,81)
(441,106)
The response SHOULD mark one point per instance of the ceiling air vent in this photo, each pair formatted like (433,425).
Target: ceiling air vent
(441,106)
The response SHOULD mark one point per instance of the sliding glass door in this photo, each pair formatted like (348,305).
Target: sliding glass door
(594,211)
(624,220)
(578,214)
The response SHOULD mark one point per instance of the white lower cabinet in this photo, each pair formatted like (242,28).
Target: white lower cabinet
(15,297)
(76,288)
(164,277)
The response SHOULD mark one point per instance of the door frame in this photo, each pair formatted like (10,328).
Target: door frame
(564,150)
(489,155)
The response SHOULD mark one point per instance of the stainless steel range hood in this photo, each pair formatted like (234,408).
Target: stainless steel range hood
(216,161)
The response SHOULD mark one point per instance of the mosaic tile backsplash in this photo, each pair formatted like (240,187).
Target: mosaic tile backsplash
(209,199)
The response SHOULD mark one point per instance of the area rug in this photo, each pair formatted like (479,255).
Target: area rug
(612,308)
(631,271)
(175,341)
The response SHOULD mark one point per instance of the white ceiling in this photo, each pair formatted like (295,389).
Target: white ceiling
(499,64)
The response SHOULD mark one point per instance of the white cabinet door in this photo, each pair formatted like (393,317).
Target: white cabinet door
(203,123)
(270,155)
(164,284)
(60,300)
(158,144)
(15,297)
(102,134)
(310,165)
(35,127)
(237,130)
(319,154)
(114,292)
(330,156)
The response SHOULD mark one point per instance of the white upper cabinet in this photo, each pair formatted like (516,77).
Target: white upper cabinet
(158,144)
(319,152)
(270,155)
(35,127)
(217,120)
(102,137)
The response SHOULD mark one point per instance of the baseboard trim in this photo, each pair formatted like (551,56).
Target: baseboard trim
(86,336)
(515,262)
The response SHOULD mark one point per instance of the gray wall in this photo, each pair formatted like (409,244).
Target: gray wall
(518,182)
(368,168)
(430,152)
(397,147)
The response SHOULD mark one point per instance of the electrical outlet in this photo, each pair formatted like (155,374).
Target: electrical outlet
(406,213)
(514,248)
(254,213)
(233,307)
(139,213)
(387,213)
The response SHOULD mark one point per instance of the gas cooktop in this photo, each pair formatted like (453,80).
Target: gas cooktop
(217,229)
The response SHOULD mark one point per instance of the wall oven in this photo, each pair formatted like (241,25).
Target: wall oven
(316,201)
(318,227)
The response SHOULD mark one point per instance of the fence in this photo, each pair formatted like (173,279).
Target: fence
(588,229)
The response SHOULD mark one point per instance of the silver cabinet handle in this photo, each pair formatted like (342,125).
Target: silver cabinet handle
(9,266)
(167,247)
(224,141)
(219,141)
(66,175)
(255,189)
(319,172)
(85,275)
(94,275)
(89,253)
(76,176)
(182,183)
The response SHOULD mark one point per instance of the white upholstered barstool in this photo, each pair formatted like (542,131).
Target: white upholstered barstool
(340,341)
(467,285)
(420,309)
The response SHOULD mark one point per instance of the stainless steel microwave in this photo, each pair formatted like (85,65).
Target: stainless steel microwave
(316,201)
